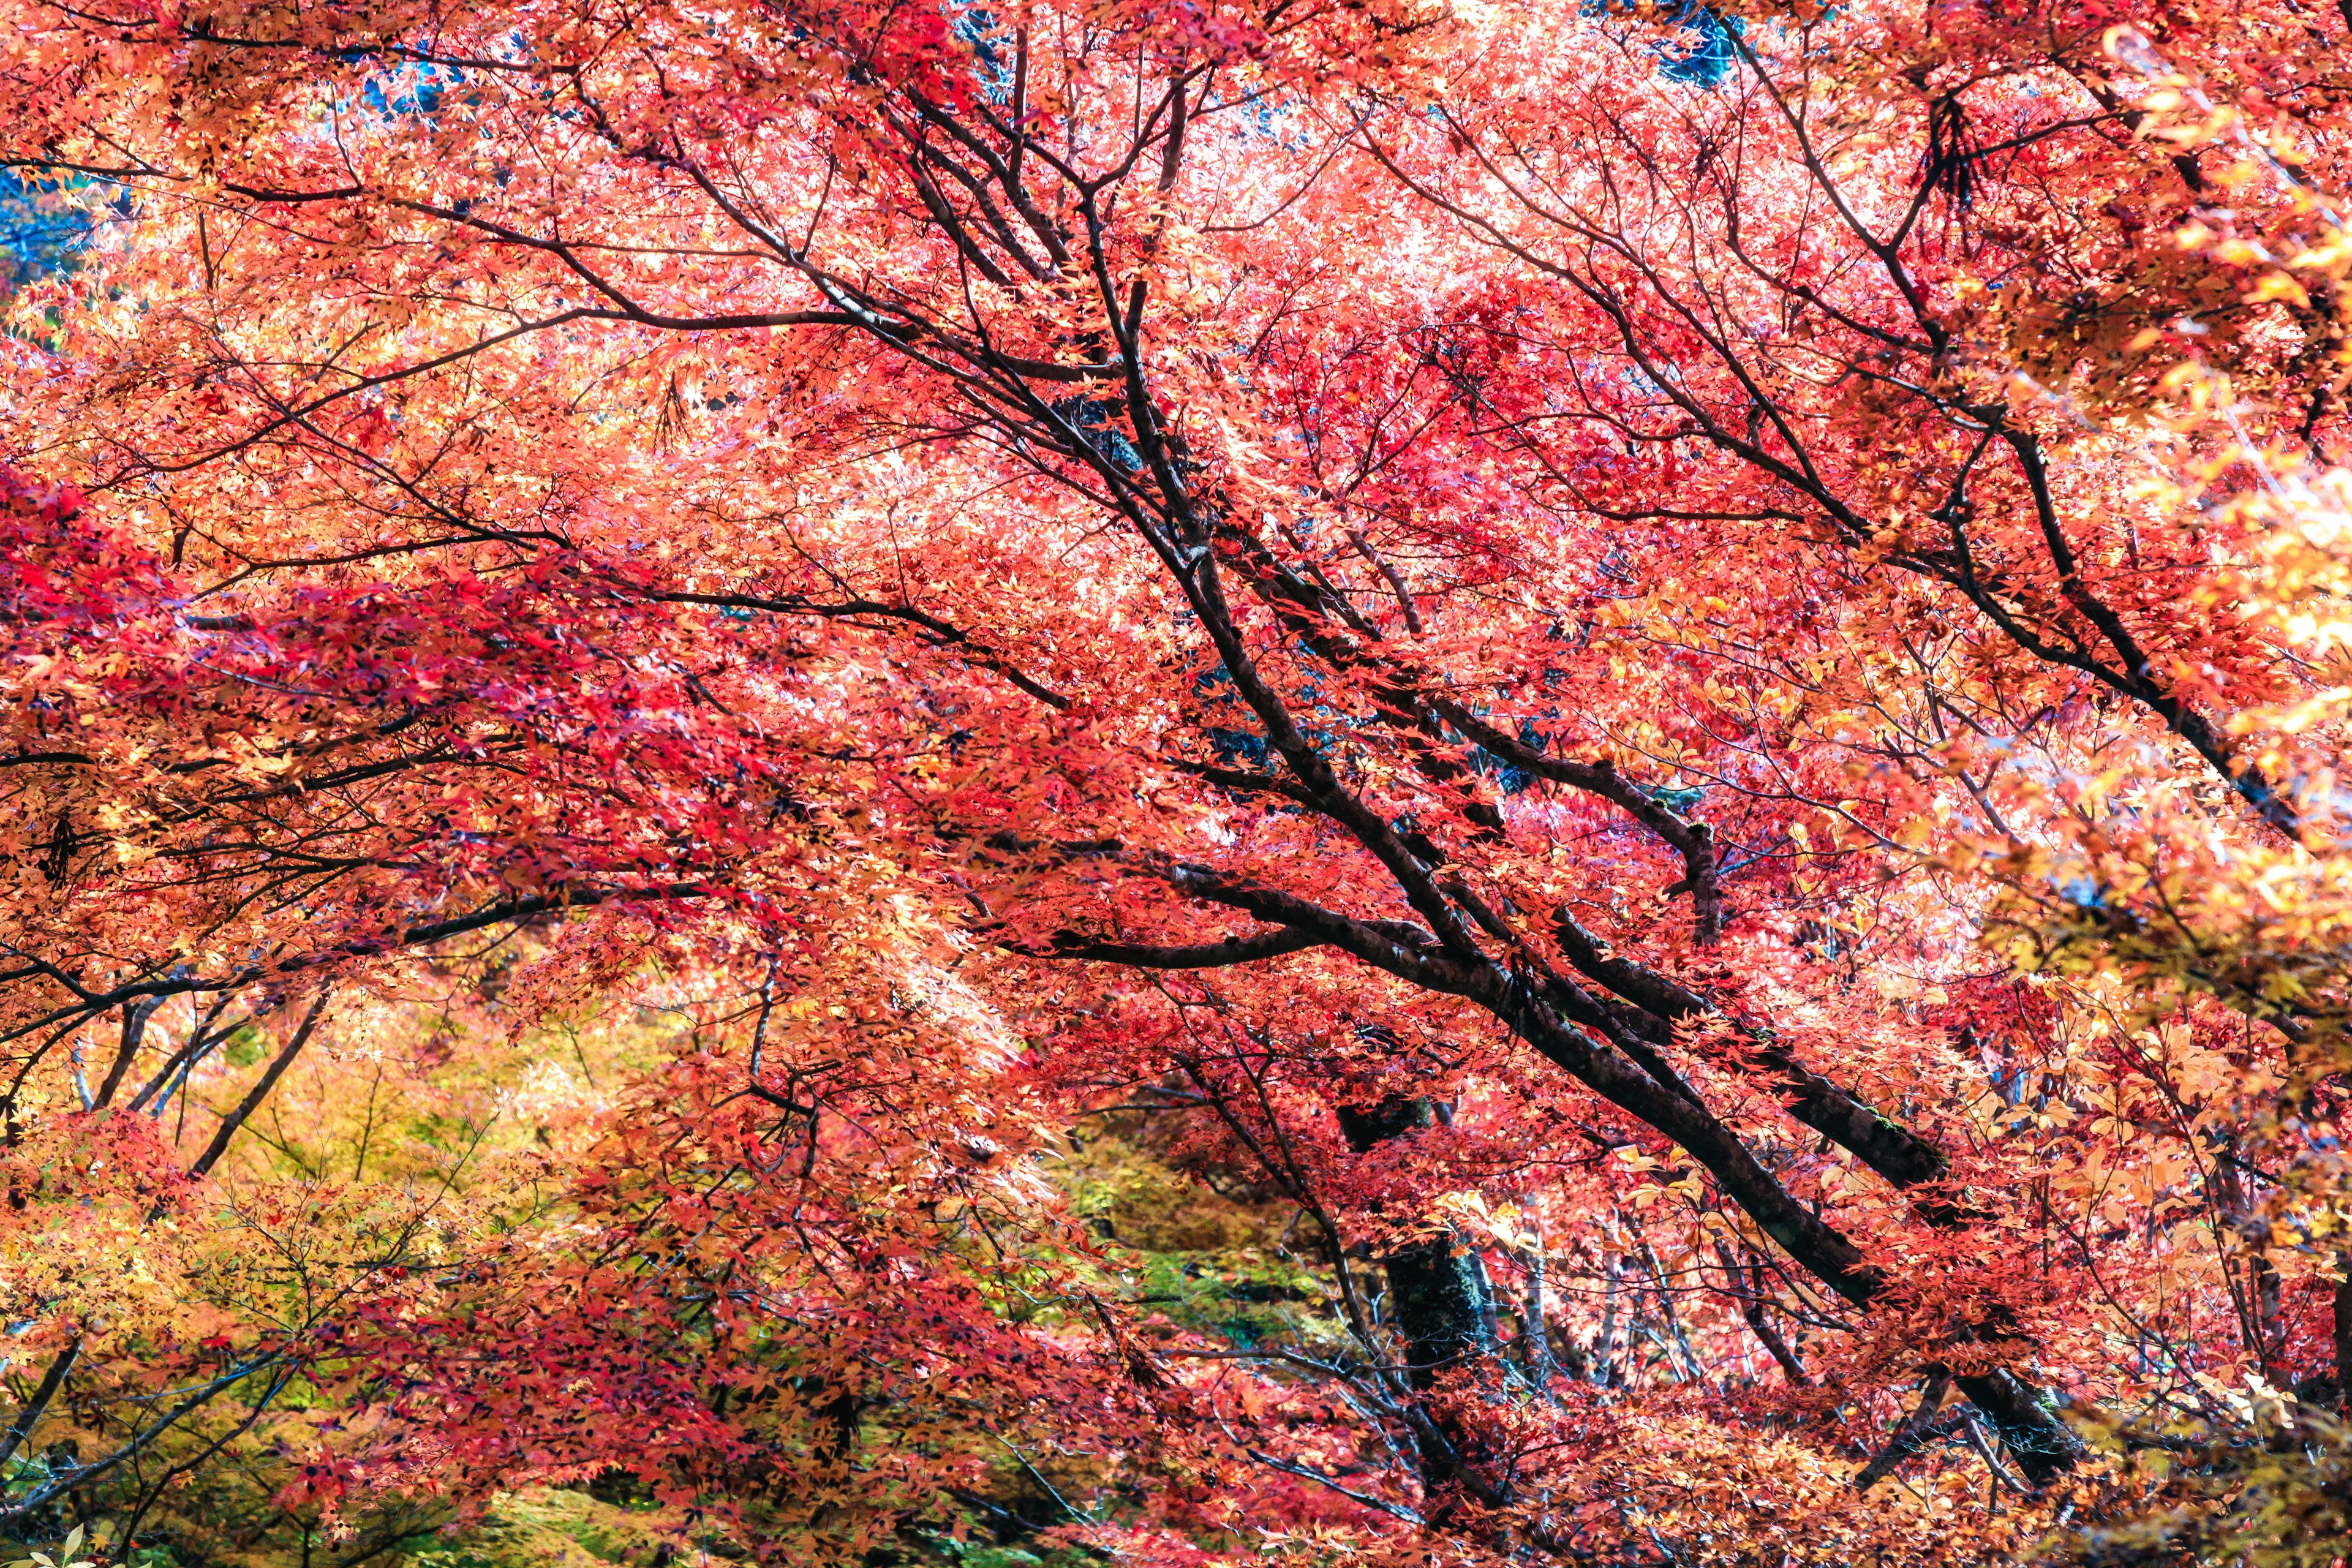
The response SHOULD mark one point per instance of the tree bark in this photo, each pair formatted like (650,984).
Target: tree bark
(1438,1291)
(1535,1318)
(51,1380)
(2343,1327)
(134,1027)
(1749,1286)
(1910,1437)
(1439,1304)
(259,1093)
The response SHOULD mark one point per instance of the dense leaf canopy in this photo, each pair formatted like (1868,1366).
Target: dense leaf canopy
(1359,780)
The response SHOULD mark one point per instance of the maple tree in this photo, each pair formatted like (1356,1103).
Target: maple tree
(1645,704)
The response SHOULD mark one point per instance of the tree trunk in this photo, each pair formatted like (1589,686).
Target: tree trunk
(2344,1334)
(1437,1291)
(1437,1295)
(1535,1317)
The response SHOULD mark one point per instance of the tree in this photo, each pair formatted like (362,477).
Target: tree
(1229,568)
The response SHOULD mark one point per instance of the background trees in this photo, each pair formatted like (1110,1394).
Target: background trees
(1641,711)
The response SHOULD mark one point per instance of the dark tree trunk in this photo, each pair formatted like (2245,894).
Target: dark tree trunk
(1436,1291)
(2344,1334)
(1437,1296)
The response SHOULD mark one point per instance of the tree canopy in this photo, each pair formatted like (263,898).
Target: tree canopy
(1351,780)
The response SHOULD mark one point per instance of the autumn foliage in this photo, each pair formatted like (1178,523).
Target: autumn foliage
(1366,780)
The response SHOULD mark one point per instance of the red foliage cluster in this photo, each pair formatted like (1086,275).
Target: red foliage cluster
(1663,693)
